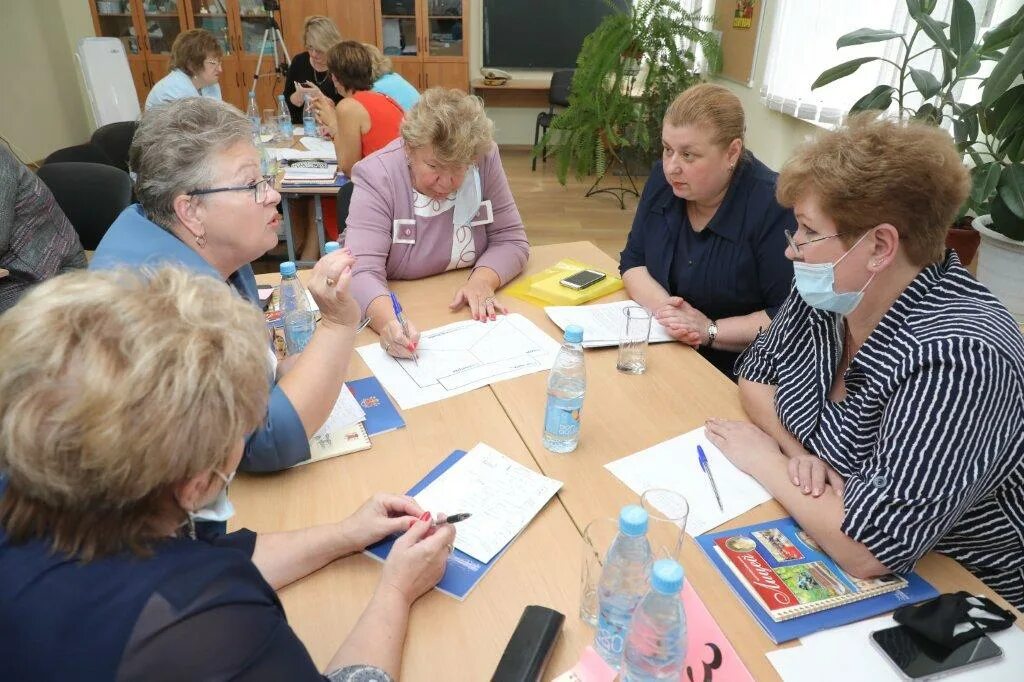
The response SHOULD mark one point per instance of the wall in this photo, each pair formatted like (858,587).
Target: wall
(42,107)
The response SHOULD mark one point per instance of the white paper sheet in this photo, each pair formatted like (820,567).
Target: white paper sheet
(290,154)
(323,147)
(461,356)
(602,323)
(501,494)
(345,413)
(815,659)
(673,465)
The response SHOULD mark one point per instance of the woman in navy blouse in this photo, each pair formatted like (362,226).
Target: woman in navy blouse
(120,421)
(887,397)
(706,249)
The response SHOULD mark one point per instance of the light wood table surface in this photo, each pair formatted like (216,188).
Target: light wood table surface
(622,415)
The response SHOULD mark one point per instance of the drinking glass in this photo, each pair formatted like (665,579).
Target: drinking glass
(636,329)
(667,511)
(270,126)
(597,540)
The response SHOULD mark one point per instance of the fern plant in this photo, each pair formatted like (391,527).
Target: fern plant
(606,115)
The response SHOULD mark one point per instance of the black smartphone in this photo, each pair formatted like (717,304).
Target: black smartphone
(582,279)
(918,659)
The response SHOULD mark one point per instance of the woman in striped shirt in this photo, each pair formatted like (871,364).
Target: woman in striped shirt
(887,396)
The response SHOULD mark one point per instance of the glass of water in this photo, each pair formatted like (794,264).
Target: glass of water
(597,540)
(636,329)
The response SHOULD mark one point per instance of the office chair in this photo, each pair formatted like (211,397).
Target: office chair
(114,139)
(91,195)
(558,96)
(80,153)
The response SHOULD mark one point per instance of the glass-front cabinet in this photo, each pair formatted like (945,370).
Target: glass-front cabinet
(426,40)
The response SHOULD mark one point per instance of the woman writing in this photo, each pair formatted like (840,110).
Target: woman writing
(887,397)
(434,200)
(705,252)
(115,433)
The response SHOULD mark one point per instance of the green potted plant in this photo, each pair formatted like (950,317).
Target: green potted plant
(990,132)
(614,109)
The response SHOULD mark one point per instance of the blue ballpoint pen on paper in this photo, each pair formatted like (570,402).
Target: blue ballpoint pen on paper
(703,459)
(397,307)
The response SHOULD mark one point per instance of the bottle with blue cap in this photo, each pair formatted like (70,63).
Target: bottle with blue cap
(331,247)
(623,583)
(299,323)
(567,386)
(656,644)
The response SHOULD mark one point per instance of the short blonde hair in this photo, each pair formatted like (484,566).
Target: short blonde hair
(712,107)
(452,122)
(380,63)
(320,33)
(873,171)
(116,385)
(191,49)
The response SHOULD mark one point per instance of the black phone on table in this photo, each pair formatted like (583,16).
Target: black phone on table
(582,279)
(918,659)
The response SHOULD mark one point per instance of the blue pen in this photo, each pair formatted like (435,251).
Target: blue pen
(703,459)
(397,307)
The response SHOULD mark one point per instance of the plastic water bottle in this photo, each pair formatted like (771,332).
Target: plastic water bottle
(309,118)
(567,385)
(252,112)
(330,247)
(623,583)
(299,323)
(656,643)
(265,169)
(284,120)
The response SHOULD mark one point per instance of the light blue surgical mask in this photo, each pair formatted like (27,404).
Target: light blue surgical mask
(816,284)
(220,509)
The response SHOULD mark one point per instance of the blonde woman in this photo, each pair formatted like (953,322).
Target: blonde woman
(195,69)
(387,82)
(114,432)
(308,74)
(435,199)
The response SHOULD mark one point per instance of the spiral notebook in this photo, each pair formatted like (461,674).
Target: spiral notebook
(793,588)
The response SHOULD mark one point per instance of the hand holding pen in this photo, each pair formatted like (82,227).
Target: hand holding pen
(398,337)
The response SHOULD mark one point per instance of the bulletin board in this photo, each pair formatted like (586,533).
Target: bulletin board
(740,31)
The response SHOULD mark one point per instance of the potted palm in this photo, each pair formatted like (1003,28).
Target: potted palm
(990,133)
(628,71)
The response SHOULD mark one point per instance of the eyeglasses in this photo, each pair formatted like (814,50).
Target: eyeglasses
(791,238)
(260,189)
(213,62)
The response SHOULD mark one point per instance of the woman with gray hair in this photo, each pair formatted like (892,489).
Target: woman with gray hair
(204,205)
(435,199)
(117,423)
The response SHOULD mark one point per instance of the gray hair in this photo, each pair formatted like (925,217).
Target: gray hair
(174,147)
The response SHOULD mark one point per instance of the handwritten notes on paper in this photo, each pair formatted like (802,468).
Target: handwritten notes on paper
(501,494)
(602,323)
(673,465)
(345,413)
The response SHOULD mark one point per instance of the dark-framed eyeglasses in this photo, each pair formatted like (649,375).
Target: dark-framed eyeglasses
(791,238)
(260,189)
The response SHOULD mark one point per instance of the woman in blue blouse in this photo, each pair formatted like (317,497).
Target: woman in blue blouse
(125,397)
(706,249)
(887,397)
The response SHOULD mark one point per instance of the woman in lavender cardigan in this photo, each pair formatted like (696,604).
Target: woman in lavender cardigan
(434,200)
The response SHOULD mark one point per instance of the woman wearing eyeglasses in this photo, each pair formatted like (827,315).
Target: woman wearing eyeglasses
(195,69)
(706,249)
(887,397)
(204,205)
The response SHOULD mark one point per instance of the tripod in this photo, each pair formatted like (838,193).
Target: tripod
(272,33)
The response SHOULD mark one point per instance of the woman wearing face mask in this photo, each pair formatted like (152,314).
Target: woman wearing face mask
(887,397)
(435,199)
(115,430)
(195,69)
(706,249)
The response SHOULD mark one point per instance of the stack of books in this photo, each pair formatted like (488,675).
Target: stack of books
(320,175)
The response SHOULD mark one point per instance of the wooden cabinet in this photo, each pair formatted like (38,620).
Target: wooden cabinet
(426,40)
(147,28)
(355,20)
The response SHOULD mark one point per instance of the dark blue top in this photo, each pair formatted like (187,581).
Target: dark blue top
(734,266)
(135,240)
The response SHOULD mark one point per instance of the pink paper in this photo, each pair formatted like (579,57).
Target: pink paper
(704,638)
(591,668)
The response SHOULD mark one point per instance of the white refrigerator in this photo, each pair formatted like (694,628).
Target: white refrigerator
(108,80)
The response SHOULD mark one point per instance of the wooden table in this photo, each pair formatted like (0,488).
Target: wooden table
(622,415)
(530,93)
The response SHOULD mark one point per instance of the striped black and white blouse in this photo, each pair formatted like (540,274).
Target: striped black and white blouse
(930,435)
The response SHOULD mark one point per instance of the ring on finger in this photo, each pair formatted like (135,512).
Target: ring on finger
(387,346)
(489,300)
(451,548)
(330,282)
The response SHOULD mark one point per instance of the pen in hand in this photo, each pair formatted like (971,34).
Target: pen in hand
(397,307)
(703,459)
(441,519)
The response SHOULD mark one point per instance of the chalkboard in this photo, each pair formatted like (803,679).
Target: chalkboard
(540,34)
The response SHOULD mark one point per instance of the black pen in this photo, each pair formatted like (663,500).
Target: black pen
(453,518)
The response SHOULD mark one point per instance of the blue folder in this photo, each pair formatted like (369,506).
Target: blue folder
(381,415)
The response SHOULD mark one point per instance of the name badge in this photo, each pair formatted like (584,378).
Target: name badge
(403,231)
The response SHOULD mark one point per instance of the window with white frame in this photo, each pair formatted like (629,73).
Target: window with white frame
(803,44)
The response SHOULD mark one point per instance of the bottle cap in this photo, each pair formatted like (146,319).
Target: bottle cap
(331,246)
(632,520)
(287,268)
(666,576)
(574,333)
